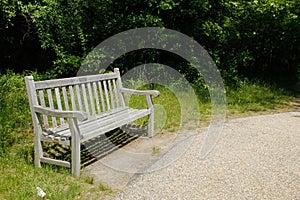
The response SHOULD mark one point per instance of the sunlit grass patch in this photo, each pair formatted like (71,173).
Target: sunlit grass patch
(173,109)
(19,180)
(256,97)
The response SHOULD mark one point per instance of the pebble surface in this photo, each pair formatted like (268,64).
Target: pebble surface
(255,158)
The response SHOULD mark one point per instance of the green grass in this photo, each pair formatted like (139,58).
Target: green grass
(18,176)
(257,97)
(173,110)
(246,99)
(21,179)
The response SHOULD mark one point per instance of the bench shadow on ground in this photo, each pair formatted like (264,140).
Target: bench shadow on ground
(103,145)
(98,147)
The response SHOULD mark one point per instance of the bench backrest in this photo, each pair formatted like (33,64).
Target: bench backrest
(94,94)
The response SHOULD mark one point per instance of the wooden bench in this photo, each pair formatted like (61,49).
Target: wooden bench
(71,111)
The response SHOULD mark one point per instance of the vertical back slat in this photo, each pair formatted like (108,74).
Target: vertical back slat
(96,97)
(43,103)
(78,95)
(101,96)
(58,101)
(51,104)
(92,100)
(106,95)
(65,96)
(85,100)
(119,87)
(116,93)
(72,96)
(111,94)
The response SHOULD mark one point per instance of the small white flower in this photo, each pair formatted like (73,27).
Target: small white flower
(40,192)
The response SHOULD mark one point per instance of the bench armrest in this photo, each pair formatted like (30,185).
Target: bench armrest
(154,93)
(81,116)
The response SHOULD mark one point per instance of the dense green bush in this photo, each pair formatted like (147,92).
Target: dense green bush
(14,106)
(254,39)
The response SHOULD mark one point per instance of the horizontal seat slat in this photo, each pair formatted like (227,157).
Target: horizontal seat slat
(102,125)
(127,116)
(114,125)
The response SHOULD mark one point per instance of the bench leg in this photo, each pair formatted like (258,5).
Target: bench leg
(75,148)
(75,163)
(151,125)
(151,116)
(38,150)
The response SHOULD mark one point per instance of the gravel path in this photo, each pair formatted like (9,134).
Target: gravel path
(255,158)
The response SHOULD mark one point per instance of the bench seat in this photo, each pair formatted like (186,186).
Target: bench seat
(93,128)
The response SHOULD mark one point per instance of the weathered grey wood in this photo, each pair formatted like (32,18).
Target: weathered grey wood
(43,104)
(91,98)
(108,122)
(112,100)
(111,124)
(78,95)
(116,93)
(75,147)
(96,97)
(119,87)
(72,96)
(154,93)
(72,81)
(106,95)
(92,105)
(65,96)
(151,116)
(32,98)
(56,162)
(85,100)
(101,95)
(51,104)
(81,116)
(58,101)
(64,141)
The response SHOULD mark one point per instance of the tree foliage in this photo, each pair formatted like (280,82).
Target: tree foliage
(255,39)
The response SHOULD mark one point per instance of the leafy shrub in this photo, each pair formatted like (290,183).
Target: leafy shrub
(254,39)
(14,106)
